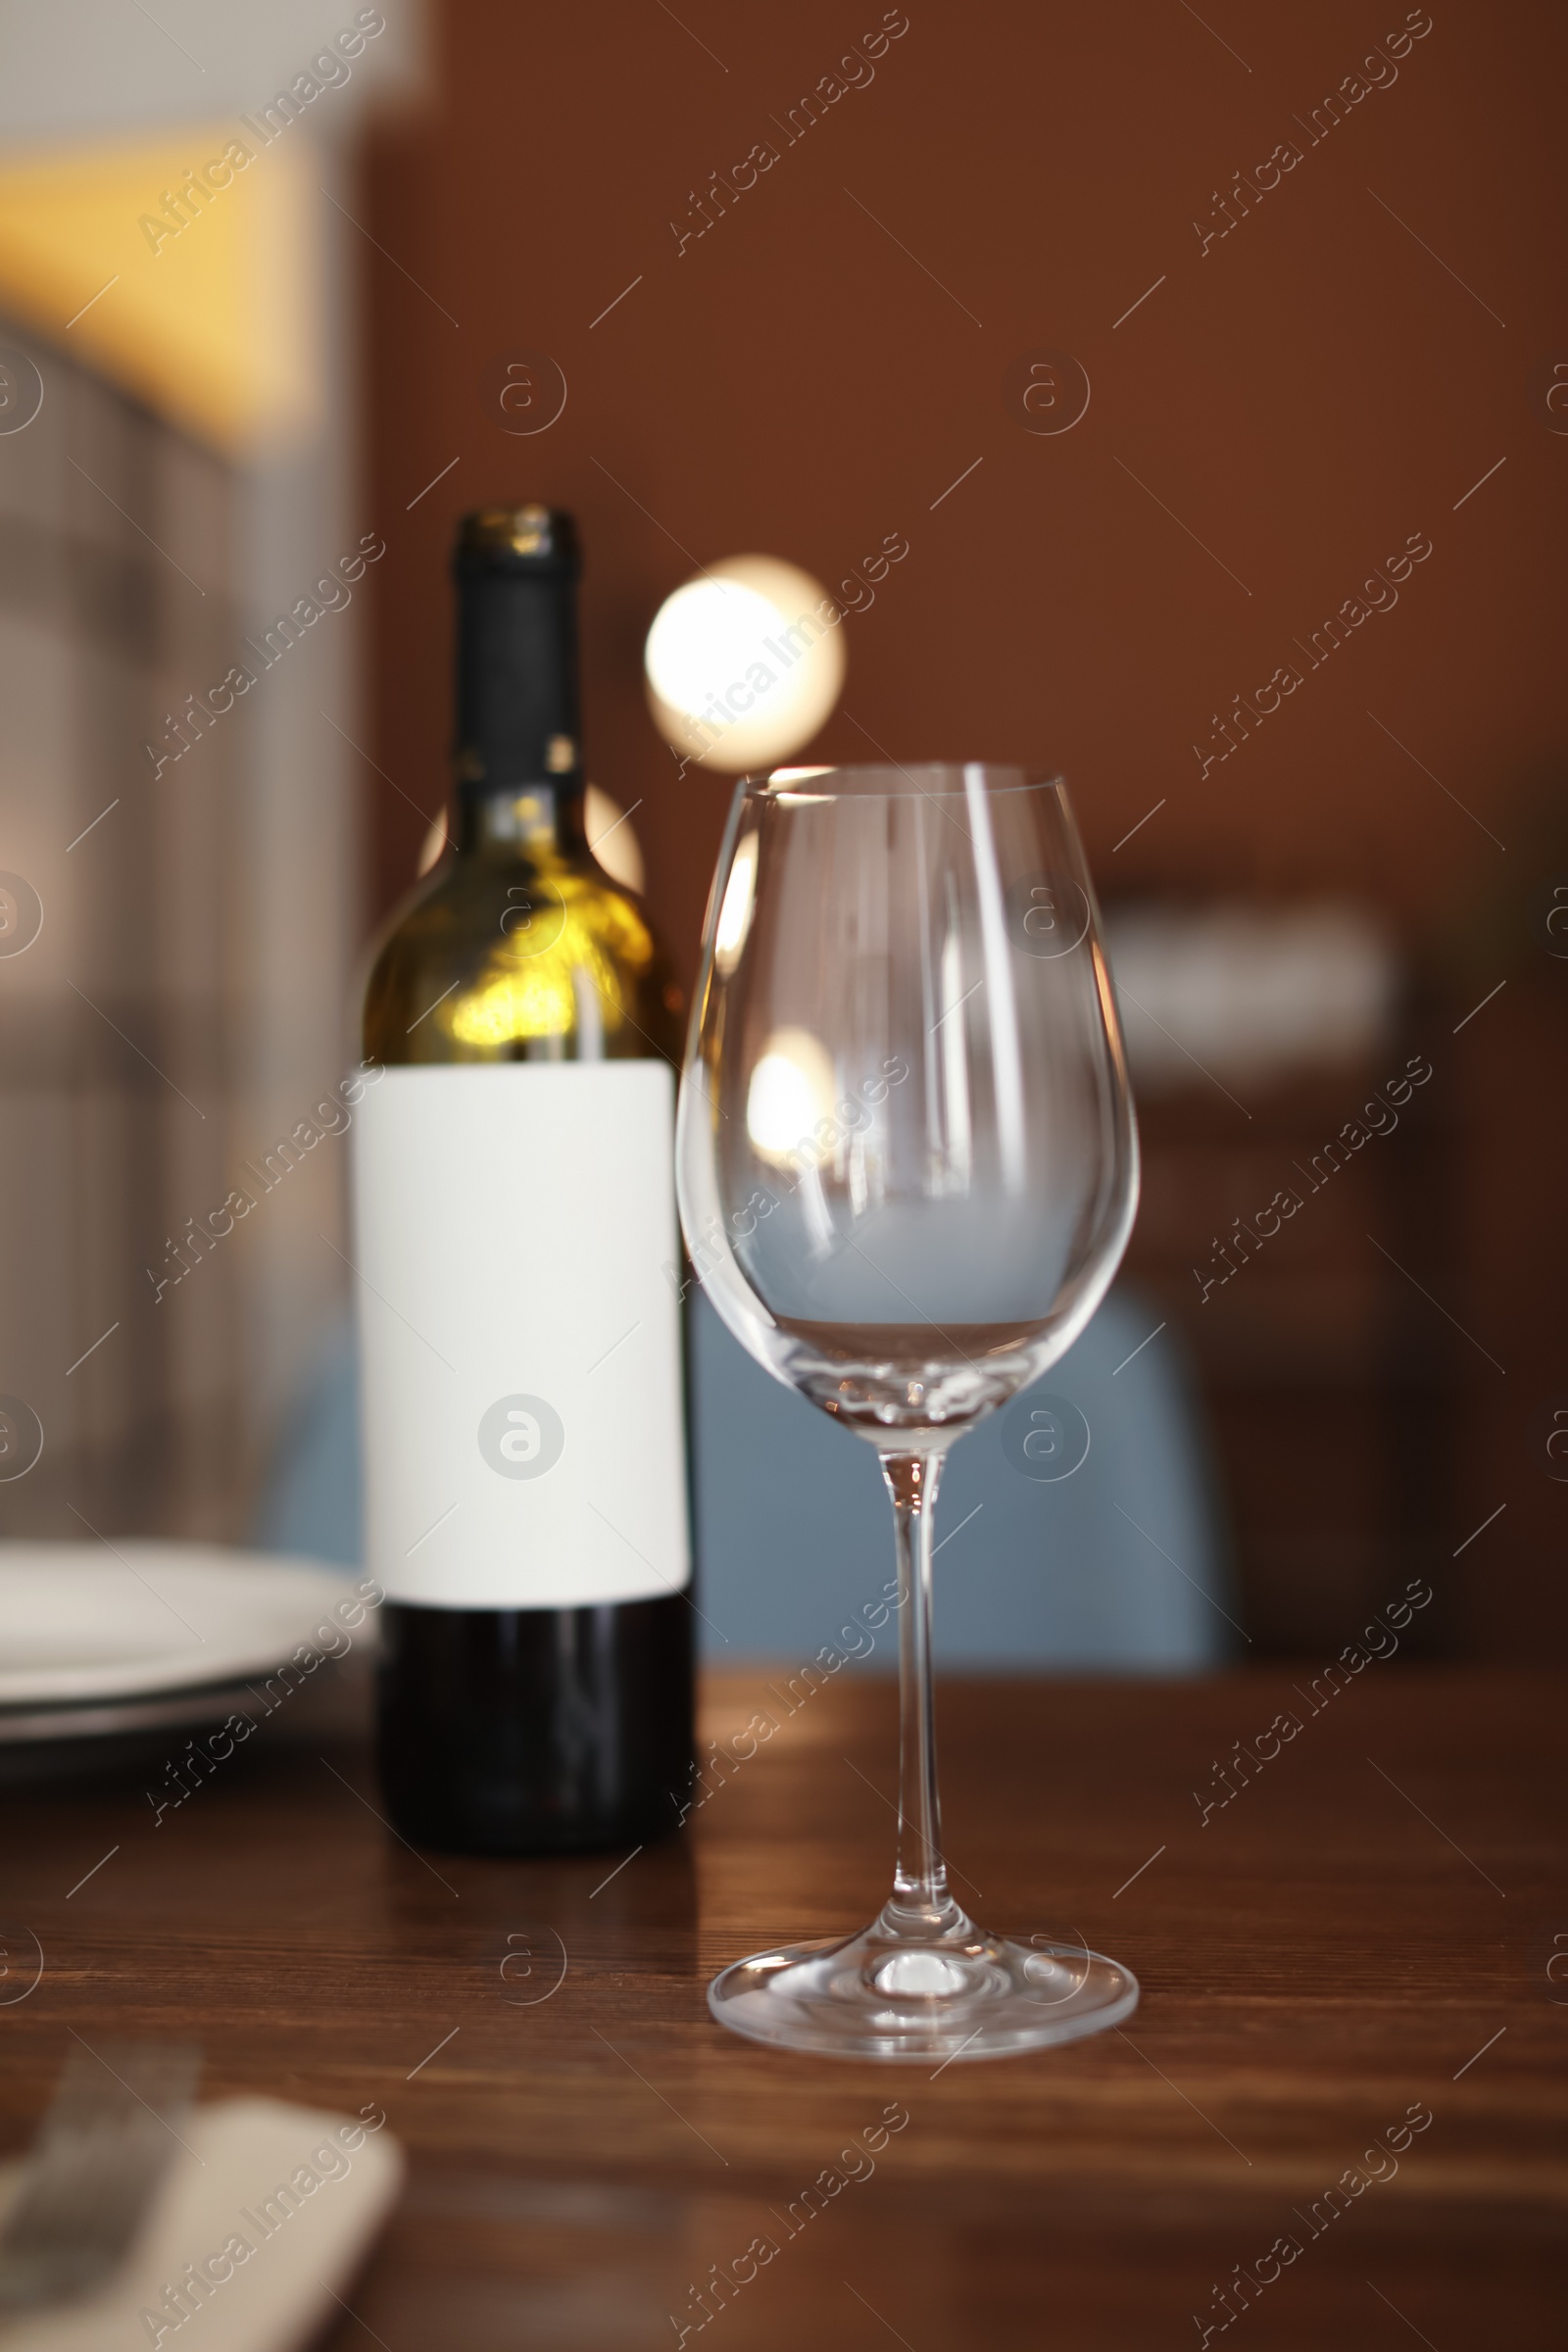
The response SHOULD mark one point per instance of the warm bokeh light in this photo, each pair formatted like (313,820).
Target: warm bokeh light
(791,1090)
(745,663)
(609,837)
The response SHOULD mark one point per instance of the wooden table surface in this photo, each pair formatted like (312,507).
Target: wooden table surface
(1368,1928)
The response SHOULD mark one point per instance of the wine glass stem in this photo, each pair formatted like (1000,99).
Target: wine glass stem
(921,1905)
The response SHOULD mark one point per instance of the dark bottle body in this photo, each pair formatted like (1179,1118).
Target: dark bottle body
(536,1731)
(526,1729)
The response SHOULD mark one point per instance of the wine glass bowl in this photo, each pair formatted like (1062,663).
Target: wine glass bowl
(906,1159)
(908,1168)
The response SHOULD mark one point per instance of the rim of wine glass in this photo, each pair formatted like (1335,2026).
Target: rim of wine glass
(803,785)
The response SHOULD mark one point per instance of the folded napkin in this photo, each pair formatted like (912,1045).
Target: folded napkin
(261,2220)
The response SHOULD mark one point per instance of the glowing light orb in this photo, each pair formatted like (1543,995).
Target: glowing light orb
(744,663)
(791,1091)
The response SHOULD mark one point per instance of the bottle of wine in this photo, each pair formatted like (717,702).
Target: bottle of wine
(524,1459)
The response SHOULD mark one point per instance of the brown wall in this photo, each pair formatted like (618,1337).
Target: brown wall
(1311,390)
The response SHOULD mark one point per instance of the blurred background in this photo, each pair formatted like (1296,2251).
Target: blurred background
(1215,371)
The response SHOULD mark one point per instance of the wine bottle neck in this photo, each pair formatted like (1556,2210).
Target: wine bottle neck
(519,722)
(527,820)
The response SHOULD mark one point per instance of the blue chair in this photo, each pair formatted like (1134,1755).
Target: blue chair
(1077,1529)
(310,1501)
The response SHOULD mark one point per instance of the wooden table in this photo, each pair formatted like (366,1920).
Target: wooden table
(1368,1928)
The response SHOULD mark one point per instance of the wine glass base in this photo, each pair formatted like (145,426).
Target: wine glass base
(963,1996)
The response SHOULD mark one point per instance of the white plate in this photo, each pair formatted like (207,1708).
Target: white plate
(25,1728)
(100,1621)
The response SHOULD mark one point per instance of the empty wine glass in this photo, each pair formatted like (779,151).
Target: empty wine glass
(907,1170)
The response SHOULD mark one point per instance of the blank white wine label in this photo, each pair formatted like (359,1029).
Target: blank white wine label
(519,1340)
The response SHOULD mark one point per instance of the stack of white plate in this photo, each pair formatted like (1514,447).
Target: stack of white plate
(137,1635)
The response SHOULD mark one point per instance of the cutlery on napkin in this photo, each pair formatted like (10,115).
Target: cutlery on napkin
(259,2214)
